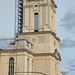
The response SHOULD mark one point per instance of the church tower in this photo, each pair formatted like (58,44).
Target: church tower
(38,25)
(36,48)
(39,29)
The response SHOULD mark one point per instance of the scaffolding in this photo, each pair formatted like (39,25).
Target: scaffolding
(20,16)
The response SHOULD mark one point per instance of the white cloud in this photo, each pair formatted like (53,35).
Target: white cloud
(68,22)
(67,42)
(65,70)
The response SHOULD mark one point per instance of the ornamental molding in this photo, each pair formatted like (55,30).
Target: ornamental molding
(57,55)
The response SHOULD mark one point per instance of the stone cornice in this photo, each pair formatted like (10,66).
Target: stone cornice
(41,32)
(30,52)
(43,54)
(54,3)
(56,54)
(17,50)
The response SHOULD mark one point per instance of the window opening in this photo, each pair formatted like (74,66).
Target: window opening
(11,66)
(36,22)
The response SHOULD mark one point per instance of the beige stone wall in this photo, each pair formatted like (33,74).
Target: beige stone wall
(5,63)
(57,67)
(43,64)
(20,62)
(46,15)
(38,63)
(42,42)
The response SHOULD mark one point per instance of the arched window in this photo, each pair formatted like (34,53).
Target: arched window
(36,22)
(11,66)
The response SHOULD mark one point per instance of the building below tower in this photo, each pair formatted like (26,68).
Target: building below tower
(36,48)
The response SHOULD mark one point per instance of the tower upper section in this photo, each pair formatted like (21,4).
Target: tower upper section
(39,15)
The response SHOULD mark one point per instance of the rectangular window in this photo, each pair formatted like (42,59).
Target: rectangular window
(36,22)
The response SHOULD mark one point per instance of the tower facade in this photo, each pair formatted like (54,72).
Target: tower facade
(39,25)
(36,50)
(39,29)
(39,15)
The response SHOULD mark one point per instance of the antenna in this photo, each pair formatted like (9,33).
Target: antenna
(15,20)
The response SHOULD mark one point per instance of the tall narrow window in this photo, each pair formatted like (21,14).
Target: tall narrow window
(32,65)
(36,22)
(52,20)
(27,65)
(11,66)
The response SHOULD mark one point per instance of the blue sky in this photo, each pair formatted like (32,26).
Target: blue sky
(65,28)
(7,17)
